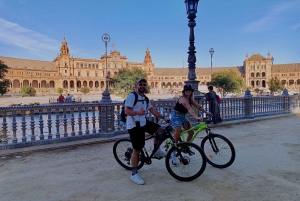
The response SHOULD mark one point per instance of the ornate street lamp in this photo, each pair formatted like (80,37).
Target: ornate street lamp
(106,94)
(211,51)
(191,10)
(272,60)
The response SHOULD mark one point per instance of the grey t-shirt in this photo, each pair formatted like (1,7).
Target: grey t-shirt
(141,103)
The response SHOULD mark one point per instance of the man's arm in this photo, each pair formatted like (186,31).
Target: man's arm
(130,112)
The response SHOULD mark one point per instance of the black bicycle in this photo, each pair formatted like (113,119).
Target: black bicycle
(189,167)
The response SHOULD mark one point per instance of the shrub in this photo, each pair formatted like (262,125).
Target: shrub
(28,91)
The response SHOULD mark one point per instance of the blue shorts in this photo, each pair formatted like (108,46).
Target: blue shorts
(178,119)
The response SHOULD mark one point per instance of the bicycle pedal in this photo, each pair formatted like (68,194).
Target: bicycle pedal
(159,158)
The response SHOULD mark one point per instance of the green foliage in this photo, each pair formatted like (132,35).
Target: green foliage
(275,85)
(28,91)
(60,90)
(123,83)
(85,90)
(227,82)
(4,83)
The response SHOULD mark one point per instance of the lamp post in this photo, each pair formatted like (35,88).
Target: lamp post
(191,10)
(211,51)
(272,60)
(106,94)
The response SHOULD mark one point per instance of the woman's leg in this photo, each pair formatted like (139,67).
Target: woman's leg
(177,131)
(187,126)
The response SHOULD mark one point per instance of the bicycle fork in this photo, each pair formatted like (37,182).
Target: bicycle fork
(212,142)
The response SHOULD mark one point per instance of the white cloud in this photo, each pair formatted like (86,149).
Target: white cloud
(36,43)
(276,14)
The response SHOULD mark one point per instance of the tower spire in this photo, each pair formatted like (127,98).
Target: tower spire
(64,50)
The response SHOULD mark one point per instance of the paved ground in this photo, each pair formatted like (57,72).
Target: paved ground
(266,168)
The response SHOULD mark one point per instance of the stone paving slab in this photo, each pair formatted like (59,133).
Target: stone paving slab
(266,168)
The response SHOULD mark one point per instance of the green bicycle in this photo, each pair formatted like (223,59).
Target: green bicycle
(219,151)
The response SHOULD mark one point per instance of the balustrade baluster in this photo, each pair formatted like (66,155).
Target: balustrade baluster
(65,122)
(79,121)
(14,127)
(118,117)
(23,127)
(72,122)
(42,137)
(93,120)
(4,127)
(99,119)
(32,123)
(87,121)
(57,123)
(49,123)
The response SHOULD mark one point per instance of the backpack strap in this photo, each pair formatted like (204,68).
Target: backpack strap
(136,98)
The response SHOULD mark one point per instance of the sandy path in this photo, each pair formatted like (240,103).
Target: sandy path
(266,168)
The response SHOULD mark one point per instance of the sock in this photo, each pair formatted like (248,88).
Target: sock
(134,171)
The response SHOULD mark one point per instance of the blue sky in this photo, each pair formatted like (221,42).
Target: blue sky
(34,29)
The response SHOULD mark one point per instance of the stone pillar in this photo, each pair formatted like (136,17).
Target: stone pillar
(248,102)
(286,100)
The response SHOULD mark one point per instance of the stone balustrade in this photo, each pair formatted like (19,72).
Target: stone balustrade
(24,126)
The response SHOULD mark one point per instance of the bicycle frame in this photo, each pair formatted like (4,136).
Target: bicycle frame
(199,127)
(160,141)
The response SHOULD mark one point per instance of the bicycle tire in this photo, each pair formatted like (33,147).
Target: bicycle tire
(225,155)
(122,151)
(195,166)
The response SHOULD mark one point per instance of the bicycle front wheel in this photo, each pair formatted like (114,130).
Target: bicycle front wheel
(122,151)
(190,161)
(219,151)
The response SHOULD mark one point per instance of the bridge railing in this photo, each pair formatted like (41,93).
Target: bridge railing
(24,126)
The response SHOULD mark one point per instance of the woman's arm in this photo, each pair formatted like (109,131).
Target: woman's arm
(194,103)
(184,102)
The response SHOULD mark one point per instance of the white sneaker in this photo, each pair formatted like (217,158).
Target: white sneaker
(174,159)
(137,179)
(160,153)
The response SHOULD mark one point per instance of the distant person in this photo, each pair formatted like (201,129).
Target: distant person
(214,107)
(69,99)
(61,98)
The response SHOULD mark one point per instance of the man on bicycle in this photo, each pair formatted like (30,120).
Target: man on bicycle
(137,125)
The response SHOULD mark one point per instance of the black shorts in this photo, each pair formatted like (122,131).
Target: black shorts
(137,135)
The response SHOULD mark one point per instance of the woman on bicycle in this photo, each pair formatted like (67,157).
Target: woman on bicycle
(178,118)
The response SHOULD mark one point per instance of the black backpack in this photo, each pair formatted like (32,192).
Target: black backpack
(123,115)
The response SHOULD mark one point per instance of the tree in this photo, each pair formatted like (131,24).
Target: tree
(85,90)
(28,91)
(125,80)
(275,85)
(60,90)
(226,82)
(4,83)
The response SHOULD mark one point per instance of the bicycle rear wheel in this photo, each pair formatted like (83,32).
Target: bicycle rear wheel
(122,151)
(189,166)
(219,151)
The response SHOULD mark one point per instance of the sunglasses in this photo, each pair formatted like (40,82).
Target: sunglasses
(142,85)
